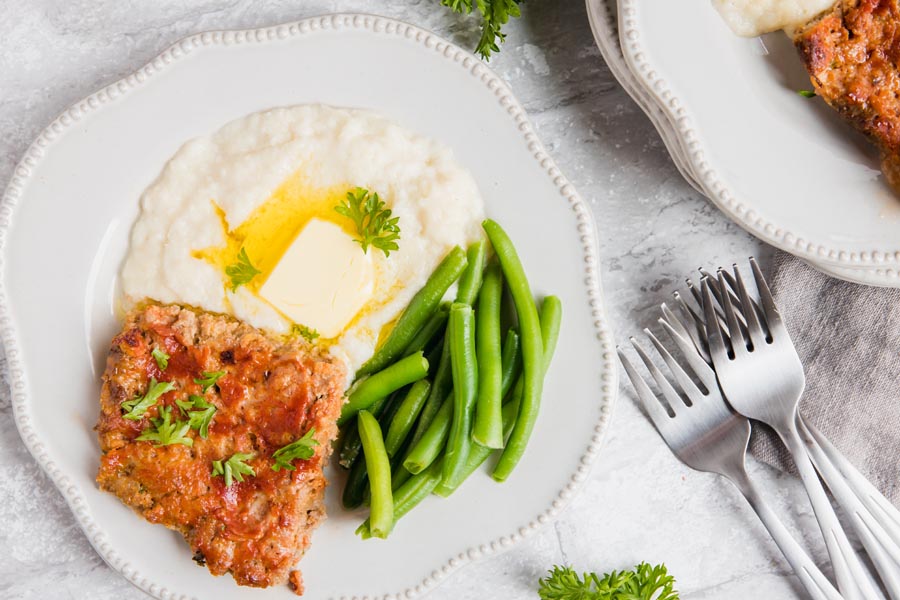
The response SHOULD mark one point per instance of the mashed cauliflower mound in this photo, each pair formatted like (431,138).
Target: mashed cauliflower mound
(237,168)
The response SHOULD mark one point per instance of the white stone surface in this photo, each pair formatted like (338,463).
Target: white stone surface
(640,502)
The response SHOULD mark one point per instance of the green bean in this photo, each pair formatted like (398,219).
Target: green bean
(417,313)
(429,446)
(434,357)
(551,317)
(488,428)
(399,475)
(440,387)
(479,454)
(378,465)
(381,384)
(356,485)
(435,324)
(470,282)
(351,445)
(385,418)
(406,415)
(530,330)
(550,322)
(509,362)
(461,335)
(409,495)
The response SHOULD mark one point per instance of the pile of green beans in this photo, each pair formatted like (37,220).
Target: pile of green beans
(415,426)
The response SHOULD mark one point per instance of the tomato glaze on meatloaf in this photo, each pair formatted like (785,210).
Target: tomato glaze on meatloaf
(269,393)
(852,54)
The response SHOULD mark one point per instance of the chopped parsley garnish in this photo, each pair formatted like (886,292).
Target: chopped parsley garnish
(807,93)
(165,432)
(303,331)
(234,468)
(199,413)
(136,408)
(304,449)
(241,272)
(373,221)
(643,583)
(209,379)
(161,358)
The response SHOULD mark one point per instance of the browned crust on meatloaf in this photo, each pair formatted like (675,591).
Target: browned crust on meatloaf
(852,54)
(273,391)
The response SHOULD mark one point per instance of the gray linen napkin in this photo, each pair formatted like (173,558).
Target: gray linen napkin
(848,337)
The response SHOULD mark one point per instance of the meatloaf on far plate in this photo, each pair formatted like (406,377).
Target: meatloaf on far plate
(852,54)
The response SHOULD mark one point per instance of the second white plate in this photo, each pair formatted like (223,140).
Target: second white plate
(785,168)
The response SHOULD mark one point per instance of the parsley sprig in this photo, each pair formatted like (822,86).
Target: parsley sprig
(209,379)
(304,449)
(305,332)
(494,15)
(161,358)
(643,583)
(373,221)
(164,431)
(136,408)
(199,413)
(234,468)
(242,271)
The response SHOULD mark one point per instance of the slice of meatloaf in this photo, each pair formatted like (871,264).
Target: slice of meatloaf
(266,394)
(852,54)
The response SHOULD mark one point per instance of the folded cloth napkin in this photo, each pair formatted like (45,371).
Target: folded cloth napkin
(848,337)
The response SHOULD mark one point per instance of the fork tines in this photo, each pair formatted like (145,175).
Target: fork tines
(677,396)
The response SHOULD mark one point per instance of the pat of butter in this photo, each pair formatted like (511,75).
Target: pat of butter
(322,280)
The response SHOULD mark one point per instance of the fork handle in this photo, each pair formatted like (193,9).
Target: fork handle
(881,508)
(853,580)
(882,549)
(815,582)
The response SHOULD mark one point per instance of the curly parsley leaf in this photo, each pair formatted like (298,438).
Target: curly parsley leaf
(304,449)
(643,583)
(165,432)
(209,379)
(373,221)
(136,408)
(807,93)
(234,468)
(199,413)
(242,271)
(161,358)
(305,332)
(494,15)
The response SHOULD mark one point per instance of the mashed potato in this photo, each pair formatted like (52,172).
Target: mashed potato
(750,18)
(259,180)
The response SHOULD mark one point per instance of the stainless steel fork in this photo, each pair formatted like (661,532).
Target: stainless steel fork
(763,379)
(708,436)
(872,516)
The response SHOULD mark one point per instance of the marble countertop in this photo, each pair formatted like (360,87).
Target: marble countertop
(640,502)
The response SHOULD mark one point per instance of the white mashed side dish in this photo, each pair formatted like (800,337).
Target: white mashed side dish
(750,18)
(242,198)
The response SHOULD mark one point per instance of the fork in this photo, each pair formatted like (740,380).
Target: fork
(763,379)
(840,473)
(875,520)
(708,436)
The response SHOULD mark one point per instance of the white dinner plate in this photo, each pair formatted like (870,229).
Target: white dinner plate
(64,225)
(785,168)
(603,18)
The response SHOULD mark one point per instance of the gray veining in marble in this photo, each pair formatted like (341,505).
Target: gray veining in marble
(640,503)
